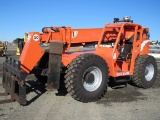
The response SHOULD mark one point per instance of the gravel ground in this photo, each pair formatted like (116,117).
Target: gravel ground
(123,102)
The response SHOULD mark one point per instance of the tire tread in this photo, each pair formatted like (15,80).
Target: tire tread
(72,74)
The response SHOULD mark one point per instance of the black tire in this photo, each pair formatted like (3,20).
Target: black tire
(79,80)
(145,71)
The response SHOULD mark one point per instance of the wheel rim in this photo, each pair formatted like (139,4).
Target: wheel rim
(92,78)
(149,72)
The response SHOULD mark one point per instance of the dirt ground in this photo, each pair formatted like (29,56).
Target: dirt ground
(122,102)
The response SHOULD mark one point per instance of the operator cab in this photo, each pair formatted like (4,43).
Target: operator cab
(111,33)
(125,45)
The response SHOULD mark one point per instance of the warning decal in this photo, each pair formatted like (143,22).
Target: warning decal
(35,37)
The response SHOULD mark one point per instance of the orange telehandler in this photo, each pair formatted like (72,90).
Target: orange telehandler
(122,51)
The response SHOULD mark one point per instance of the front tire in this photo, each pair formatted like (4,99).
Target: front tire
(145,71)
(87,78)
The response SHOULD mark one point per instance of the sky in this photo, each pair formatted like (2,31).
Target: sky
(22,16)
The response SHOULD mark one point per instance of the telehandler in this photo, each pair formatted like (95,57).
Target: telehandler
(122,51)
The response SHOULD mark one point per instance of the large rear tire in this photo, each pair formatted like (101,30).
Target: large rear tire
(145,71)
(87,77)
